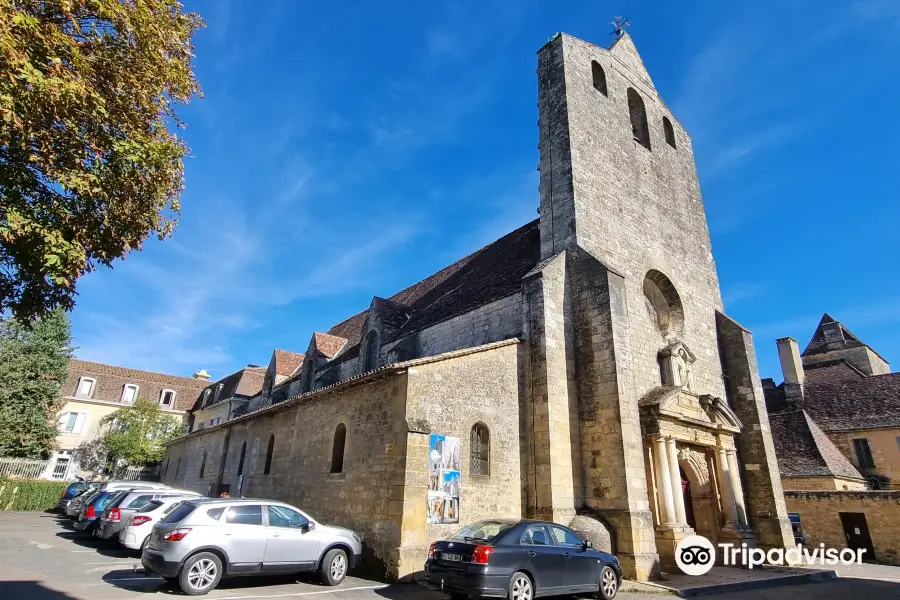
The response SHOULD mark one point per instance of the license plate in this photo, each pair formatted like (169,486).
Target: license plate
(452,557)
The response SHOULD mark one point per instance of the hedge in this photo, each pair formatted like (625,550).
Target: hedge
(30,494)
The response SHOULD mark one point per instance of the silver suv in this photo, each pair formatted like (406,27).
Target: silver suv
(201,541)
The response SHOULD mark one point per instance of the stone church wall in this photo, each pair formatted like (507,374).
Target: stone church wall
(389,417)
(366,496)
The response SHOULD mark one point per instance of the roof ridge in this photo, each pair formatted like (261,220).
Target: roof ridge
(188,381)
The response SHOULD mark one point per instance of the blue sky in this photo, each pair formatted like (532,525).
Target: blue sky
(350,149)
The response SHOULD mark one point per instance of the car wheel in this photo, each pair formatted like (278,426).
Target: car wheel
(200,574)
(520,587)
(334,567)
(609,583)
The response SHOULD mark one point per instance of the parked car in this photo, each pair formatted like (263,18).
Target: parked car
(136,529)
(72,490)
(93,507)
(74,508)
(799,536)
(520,560)
(201,541)
(127,502)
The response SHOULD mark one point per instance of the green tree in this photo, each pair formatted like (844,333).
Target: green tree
(90,164)
(135,435)
(34,359)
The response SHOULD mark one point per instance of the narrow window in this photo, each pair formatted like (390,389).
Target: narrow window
(371,355)
(218,392)
(479,450)
(240,470)
(167,398)
(599,76)
(863,454)
(203,465)
(73,422)
(638,113)
(85,387)
(129,393)
(337,450)
(669,132)
(269,451)
(206,394)
(178,467)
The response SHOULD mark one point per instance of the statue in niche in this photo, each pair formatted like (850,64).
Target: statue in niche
(676,362)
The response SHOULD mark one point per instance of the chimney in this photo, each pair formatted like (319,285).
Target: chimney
(202,375)
(792,367)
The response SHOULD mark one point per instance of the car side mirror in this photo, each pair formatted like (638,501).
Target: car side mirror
(588,544)
(307,527)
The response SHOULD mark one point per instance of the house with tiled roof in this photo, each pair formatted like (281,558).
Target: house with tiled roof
(836,417)
(221,400)
(94,390)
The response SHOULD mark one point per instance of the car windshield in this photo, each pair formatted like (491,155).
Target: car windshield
(482,531)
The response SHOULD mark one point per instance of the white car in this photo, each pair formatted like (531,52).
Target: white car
(137,529)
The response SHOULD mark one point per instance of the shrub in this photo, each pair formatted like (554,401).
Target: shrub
(30,494)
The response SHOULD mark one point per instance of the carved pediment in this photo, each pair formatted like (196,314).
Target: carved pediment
(670,403)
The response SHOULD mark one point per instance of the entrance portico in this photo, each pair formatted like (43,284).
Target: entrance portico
(692,469)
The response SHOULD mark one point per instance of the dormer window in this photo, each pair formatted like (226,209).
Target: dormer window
(219,389)
(129,393)
(85,388)
(206,395)
(167,399)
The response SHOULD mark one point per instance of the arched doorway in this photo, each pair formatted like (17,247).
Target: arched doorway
(697,486)
(688,500)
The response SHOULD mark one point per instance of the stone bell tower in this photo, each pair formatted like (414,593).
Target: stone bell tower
(627,262)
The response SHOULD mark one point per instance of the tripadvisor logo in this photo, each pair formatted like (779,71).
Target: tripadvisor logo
(696,555)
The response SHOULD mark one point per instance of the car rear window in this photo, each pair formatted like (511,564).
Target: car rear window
(76,487)
(117,498)
(151,506)
(215,513)
(103,499)
(141,501)
(482,530)
(179,514)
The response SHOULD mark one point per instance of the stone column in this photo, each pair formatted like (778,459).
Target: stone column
(736,488)
(726,488)
(664,481)
(675,476)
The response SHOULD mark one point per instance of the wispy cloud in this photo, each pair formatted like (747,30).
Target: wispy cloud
(736,293)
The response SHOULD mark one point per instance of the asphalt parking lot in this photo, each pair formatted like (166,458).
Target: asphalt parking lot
(43,558)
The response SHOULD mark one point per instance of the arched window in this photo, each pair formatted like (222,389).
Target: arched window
(663,303)
(599,76)
(269,451)
(203,465)
(337,450)
(669,132)
(480,450)
(240,470)
(638,114)
(371,352)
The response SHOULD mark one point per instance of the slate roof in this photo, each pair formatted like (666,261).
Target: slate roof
(871,402)
(493,272)
(286,362)
(803,449)
(830,372)
(244,383)
(818,344)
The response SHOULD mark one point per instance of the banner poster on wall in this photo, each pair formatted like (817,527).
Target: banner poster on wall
(443,479)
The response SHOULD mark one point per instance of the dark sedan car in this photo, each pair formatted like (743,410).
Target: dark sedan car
(520,560)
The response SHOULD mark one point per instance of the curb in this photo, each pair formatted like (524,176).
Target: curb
(817,576)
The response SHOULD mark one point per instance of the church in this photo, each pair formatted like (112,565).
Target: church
(580,369)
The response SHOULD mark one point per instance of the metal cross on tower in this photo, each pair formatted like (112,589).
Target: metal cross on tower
(620,24)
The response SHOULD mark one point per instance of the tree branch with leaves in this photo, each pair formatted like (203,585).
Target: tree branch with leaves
(90,164)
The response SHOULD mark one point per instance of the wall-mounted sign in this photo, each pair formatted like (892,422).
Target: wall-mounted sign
(443,479)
